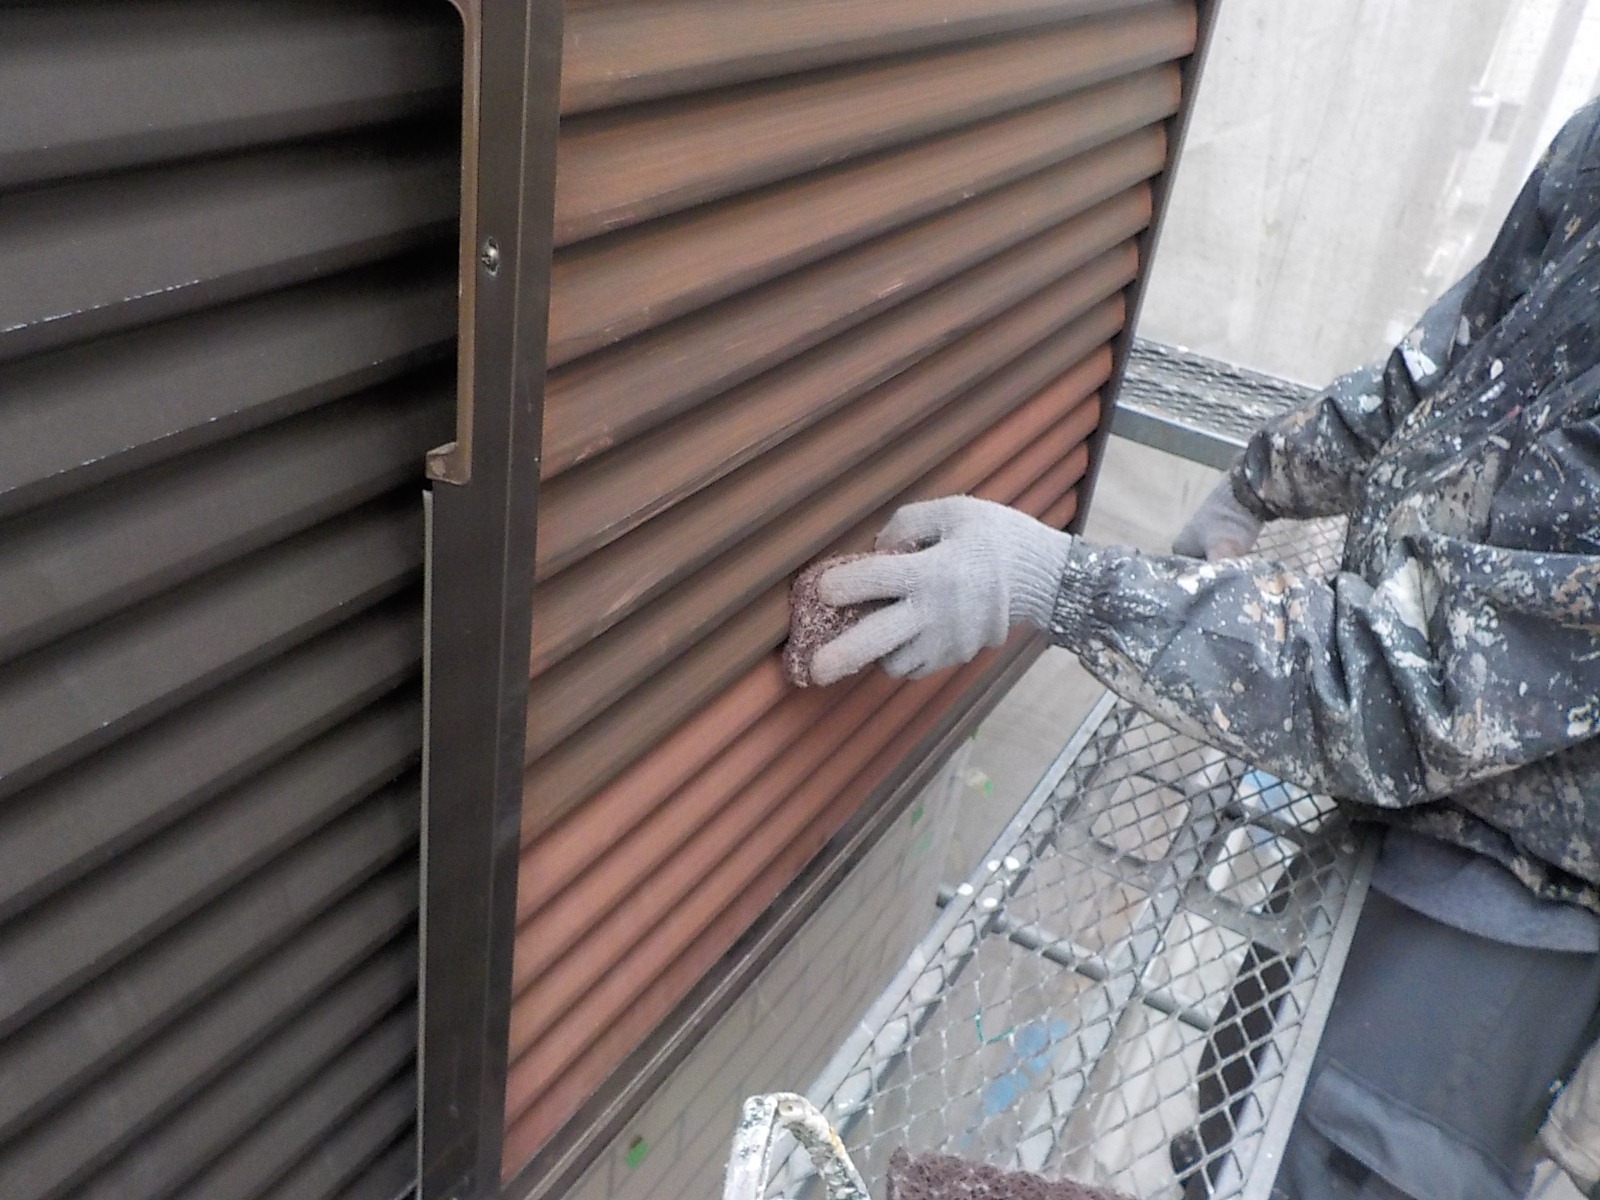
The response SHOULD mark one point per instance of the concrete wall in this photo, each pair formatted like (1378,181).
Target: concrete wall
(1348,161)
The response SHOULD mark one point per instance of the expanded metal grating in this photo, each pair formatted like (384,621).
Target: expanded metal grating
(1129,991)
(1197,407)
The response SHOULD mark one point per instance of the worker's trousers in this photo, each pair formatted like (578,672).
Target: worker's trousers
(1437,1064)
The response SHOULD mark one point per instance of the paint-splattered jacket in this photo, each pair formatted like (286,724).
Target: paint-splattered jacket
(1448,678)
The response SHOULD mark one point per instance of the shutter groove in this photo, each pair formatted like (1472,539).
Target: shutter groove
(815,258)
(226,325)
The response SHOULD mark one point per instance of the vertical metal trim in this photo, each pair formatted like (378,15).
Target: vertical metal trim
(452,462)
(480,581)
(1177,133)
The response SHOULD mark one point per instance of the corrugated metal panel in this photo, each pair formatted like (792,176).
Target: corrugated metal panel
(227,311)
(814,258)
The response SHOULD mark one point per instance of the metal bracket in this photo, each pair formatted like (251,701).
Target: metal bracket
(452,462)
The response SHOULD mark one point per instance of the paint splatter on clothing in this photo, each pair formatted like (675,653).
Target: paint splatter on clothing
(1447,679)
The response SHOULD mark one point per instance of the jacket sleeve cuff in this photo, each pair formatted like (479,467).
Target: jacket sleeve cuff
(1080,611)
(1245,494)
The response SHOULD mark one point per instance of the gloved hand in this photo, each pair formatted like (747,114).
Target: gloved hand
(981,567)
(1571,1132)
(1220,528)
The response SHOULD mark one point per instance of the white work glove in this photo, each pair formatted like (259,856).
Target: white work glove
(1220,528)
(976,568)
(1571,1132)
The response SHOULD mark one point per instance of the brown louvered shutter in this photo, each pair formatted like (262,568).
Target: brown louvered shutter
(814,258)
(227,320)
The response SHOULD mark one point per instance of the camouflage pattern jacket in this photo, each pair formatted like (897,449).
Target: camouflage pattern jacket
(1447,679)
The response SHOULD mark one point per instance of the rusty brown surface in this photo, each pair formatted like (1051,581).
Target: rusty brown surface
(587,508)
(601,402)
(583,602)
(612,740)
(1062,511)
(800,283)
(622,53)
(568,696)
(1046,451)
(751,822)
(539,1100)
(616,169)
(609,288)
(694,857)
(1055,482)
(568,847)
(610,872)
(562,1067)
(1072,393)
(992,450)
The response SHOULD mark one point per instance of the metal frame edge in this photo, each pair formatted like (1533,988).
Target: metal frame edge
(480,588)
(1177,135)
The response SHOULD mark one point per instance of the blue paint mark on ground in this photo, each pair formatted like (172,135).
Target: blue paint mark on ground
(1032,1048)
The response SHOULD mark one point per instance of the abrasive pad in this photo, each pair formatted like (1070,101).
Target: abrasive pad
(813,624)
(942,1177)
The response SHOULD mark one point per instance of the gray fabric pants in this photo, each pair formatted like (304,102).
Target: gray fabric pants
(1437,1063)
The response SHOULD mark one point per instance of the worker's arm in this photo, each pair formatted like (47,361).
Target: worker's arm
(1464,661)
(1311,462)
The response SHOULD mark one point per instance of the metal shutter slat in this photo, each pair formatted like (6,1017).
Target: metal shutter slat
(586,600)
(96,923)
(579,765)
(81,415)
(112,1016)
(601,402)
(150,84)
(551,1032)
(68,699)
(814,261)
(545,993)
(551,926)
(617,53)
(59,1152)
(585,509)
(530,1128)
(580,840)
(226,322)
(120,545)
(631,651)
(332,1099)
(609,288)
(616,171)
(389,1177)
(78,819)
(87,259)
(361,1145)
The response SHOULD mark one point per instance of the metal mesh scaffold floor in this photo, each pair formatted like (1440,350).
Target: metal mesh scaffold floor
(1130,989)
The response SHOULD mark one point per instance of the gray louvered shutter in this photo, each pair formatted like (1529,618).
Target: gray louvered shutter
(227,317)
